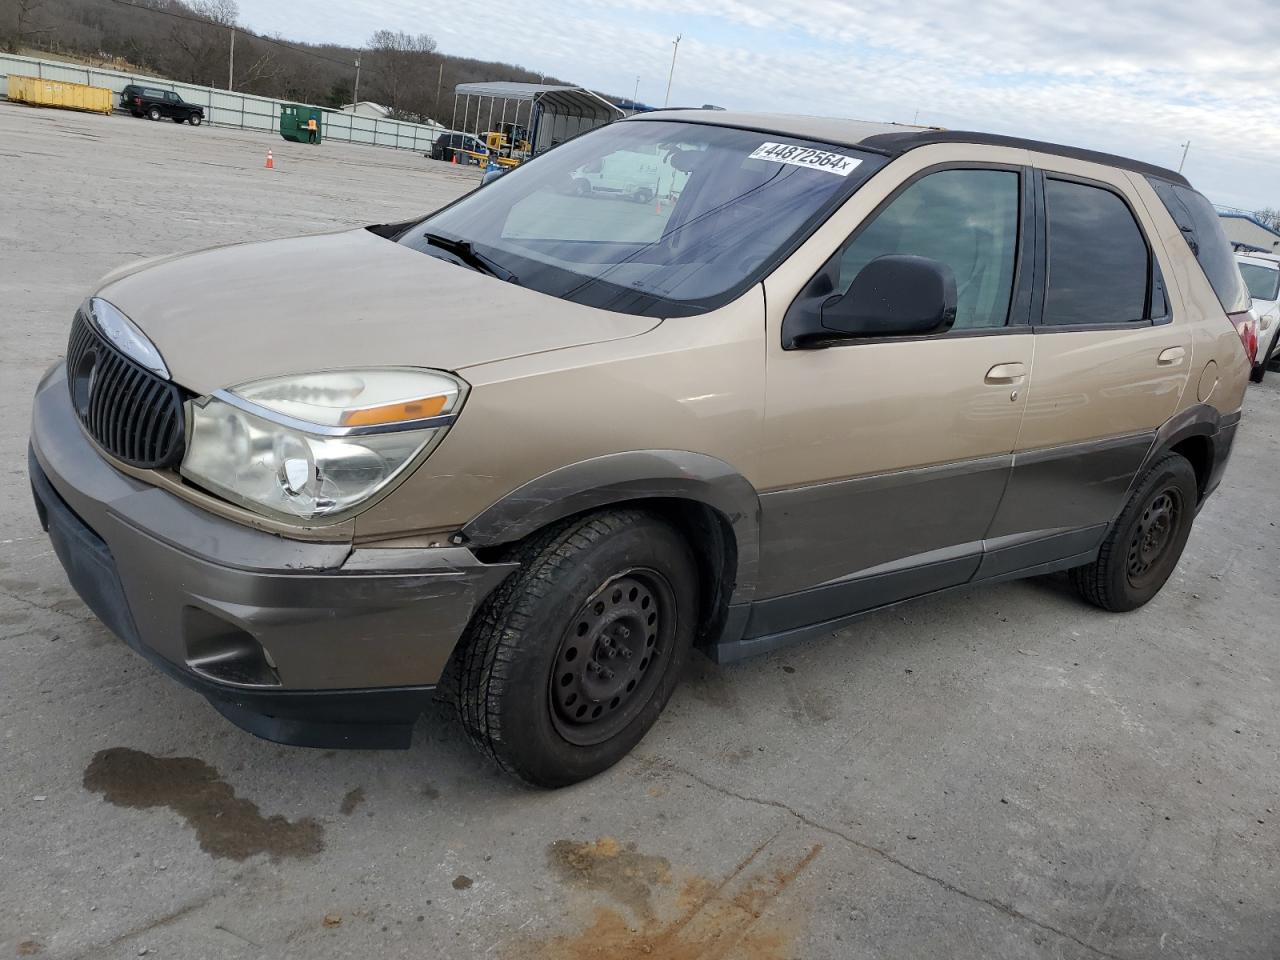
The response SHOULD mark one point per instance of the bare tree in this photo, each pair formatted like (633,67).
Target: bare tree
(207,45)
(21,28)
(1269,217)
(401,66)
(225,13)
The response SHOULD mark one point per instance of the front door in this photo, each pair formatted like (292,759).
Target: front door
(1112,357)
(885,459)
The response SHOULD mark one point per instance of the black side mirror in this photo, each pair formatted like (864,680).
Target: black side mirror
(895,296)
(892,296)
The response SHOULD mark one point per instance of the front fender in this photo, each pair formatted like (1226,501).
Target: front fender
(622,477)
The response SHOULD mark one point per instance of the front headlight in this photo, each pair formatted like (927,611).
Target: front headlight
(314,447)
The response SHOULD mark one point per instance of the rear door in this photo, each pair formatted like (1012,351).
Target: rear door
(885,459)
(1112,357)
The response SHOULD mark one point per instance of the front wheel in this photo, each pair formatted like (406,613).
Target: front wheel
(194,119)
(1143,546)
(574,656)
(154,113)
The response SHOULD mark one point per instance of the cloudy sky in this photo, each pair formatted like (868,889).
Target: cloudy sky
(1139,78)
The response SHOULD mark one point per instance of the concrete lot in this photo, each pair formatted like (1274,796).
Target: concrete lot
(1001,773)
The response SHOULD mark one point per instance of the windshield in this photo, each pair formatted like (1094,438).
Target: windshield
(1263,282)
(653,217)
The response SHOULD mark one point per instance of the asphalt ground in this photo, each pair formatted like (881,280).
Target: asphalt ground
(995,773)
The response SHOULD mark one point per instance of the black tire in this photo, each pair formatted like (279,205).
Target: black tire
(643,195)
(1257,372)
(154,113)
(582,187)
(555,677)
(195,119)
(1143,546)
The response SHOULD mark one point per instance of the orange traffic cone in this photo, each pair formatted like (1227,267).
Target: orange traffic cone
(271,164)
(453,158)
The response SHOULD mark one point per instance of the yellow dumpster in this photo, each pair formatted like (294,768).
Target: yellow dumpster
(58,93)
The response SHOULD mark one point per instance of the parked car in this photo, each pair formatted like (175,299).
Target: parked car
(1261,273)
(854,363)
(461,145)
(157,104)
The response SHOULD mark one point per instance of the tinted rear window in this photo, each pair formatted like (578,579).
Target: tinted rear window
(1202,229)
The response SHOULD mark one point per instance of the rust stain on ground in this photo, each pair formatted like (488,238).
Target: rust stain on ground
(704,920)
(609,867)
(29,948)
(226,825)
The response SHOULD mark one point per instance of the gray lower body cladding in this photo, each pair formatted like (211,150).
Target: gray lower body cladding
(308,643)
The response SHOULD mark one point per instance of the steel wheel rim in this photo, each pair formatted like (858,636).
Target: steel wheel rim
(612,656)
(1153,537)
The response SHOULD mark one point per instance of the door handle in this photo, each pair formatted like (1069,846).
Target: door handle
(1171,357)
(1004,374)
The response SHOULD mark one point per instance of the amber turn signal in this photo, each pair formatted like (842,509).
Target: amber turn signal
(398,412)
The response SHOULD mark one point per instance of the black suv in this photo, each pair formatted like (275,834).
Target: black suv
(157,104)
(448,145)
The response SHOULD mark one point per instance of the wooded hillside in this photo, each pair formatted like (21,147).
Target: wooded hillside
(191,42)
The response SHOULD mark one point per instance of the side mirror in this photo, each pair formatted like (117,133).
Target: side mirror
(894,296)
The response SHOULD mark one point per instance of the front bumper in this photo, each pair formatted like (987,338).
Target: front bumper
(315,644)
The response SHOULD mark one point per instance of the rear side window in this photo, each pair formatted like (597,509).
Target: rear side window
(1263,282)
(1098,259)
(1203,232)
(154,94)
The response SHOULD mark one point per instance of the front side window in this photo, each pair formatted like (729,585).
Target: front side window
(1263,282)
(967,219)
(1098,259)
(653,217)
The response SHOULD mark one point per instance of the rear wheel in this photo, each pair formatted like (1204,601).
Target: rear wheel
(1144,544)
(572,659)
(154,113)
(1258,371)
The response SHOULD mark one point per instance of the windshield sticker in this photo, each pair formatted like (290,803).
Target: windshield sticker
(798,156)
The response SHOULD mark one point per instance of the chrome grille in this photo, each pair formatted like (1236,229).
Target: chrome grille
(133,414)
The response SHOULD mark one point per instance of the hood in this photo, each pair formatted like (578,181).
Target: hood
(226,316)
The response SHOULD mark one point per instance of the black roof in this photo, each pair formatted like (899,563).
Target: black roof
(896,144)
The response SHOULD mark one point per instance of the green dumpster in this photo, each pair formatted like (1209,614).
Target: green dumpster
(296,123)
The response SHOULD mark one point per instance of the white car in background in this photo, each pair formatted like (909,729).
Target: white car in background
(1261,272)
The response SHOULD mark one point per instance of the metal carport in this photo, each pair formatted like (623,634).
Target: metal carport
(552,113)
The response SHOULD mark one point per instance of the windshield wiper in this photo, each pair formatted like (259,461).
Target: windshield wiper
(464,251)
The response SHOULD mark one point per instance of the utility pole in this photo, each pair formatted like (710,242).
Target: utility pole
(1185,147)
(675,48)
(635,97)
(355,94)
(439,84)
(231,62)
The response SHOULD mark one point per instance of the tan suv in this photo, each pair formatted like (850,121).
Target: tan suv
(531,449)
